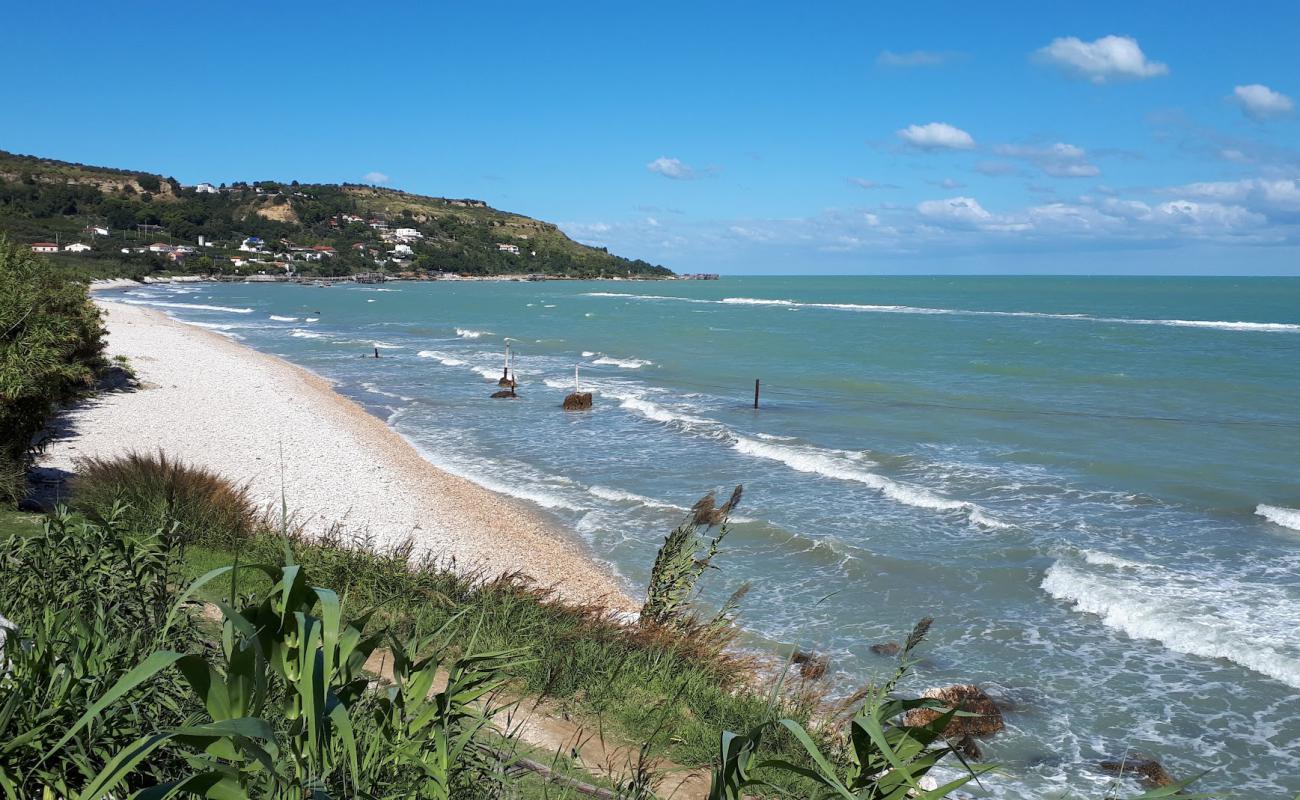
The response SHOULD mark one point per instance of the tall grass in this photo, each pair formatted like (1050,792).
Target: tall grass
(50,350)
(151,491)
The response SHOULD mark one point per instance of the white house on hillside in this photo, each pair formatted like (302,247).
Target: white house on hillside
(206,188)
(45,247)
(77,247)
(508,248)
(408,233)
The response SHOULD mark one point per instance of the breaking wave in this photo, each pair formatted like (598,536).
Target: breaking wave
(1226,325)
(278,318)
(1224,618)
(192,306)
(302,334)
(623,363)
(1279,515)
(467,333)
(443,358)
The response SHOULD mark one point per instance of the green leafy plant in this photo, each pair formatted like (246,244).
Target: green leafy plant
(687,552)
(884,758)
(288,711)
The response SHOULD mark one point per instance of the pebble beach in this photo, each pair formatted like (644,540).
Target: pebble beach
(283,431)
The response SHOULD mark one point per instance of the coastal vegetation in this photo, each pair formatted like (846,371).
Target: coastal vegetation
(313,229)
(51,350)
(158,661)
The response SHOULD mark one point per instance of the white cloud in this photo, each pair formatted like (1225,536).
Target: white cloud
(915,58)
(937,136)
(1106,59)
(375,178)
(1274,197)
(1060,160)
(671,168)
(1262,103)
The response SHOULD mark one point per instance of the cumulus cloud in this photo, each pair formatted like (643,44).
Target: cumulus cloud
(1060,160)
(375,178)
(671,168)
(1103,60)
(915,58)
(937,136)
(1261,103)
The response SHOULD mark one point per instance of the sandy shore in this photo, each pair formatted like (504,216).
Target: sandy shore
(252,417)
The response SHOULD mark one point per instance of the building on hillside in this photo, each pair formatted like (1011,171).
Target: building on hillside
(408,233)
(402,251)
(206,188)
(324,249)
(508,248)
(160,247)
(95,230)
(76,247)
(44,247)
(253,244)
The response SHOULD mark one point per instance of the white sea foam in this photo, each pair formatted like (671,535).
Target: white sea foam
(467,333)
(443,358)
(215,326)
(849,466)
(1280,515)
(1251,625)
(1226,325)
(620,496)
(278,318)
(623,363)
(312,319)
(587,354)
(370,300)
(192,306)
(491,373)
(386,346)
(652,410)
(374,389)
(302,334)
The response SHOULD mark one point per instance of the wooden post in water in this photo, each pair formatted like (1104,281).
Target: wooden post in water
(756,393)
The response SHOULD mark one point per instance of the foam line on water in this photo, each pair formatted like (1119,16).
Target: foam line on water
(1226,325)
(279,318)
(191,306)
(469,333)
(445,359)
(848,466)
(1280,515)
(1195,614)
(623,363)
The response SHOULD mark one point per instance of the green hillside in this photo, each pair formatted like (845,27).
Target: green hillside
(43,200)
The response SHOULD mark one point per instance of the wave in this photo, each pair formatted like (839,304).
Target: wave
(467,333)
(386,346)
(1279,515)
(283,319)
(214,326)
(1226,325)
(302,334)
(311,319)
(623,363)
(443,358)
(374,389)
(192,306)
(849,466)
(1189,614)
(587,354)
(620,496)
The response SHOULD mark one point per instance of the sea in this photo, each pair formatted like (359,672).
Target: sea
(1091,484)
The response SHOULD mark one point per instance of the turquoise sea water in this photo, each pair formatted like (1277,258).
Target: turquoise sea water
(1093,485)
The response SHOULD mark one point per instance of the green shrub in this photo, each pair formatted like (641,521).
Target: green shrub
(85,602)
(154,492)
(50,350)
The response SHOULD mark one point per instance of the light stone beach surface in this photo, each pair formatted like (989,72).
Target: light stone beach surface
(254,418)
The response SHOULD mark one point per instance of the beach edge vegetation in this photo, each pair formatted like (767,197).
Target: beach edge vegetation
(51,351)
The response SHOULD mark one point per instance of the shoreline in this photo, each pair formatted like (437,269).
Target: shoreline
(256,418)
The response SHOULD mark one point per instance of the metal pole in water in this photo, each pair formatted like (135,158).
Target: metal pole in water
(756,393)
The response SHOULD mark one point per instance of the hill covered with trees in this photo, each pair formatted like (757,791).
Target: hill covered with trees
(136,223)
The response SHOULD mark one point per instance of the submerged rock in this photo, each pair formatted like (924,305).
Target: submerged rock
(811,665)
(889,649)
(577,401)
(1151,772)
(963,697)
(504,393)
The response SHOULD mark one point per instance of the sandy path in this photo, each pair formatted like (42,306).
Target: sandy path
(253,417)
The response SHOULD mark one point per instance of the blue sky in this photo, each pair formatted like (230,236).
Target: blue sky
(1153,137)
